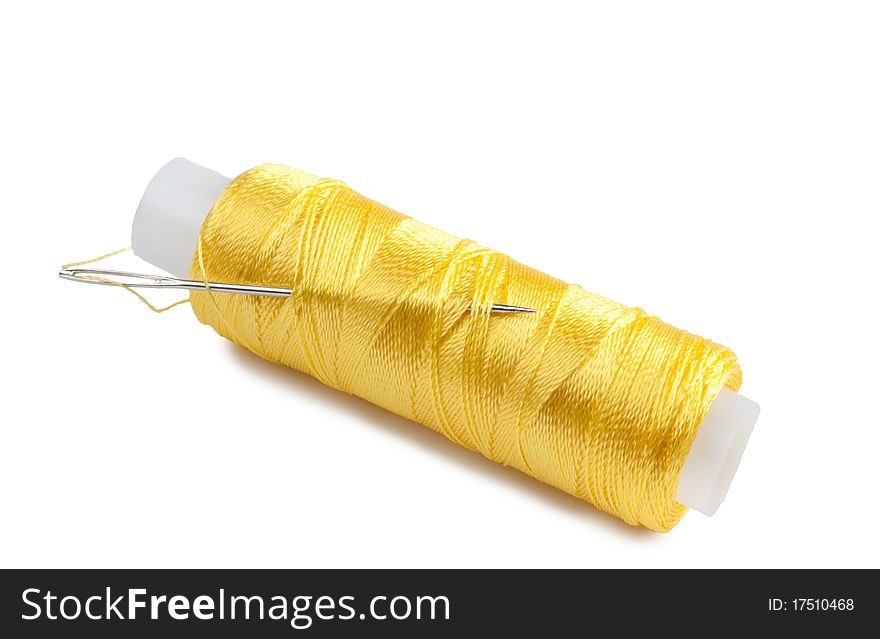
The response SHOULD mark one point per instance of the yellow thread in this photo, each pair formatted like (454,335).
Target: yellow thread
(96,259)
(155,309)
(590,396)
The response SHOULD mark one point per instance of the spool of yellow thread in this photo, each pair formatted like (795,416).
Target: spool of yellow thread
(600,400)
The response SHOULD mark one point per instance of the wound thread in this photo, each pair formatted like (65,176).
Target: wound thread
(598,399)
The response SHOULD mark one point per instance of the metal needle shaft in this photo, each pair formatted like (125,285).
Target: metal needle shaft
(140,280)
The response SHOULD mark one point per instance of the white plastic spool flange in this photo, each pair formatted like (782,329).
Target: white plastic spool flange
(165,233)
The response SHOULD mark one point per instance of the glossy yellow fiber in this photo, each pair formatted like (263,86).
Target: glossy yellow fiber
(595,398)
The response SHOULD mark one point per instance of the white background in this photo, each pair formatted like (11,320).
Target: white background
(714,163)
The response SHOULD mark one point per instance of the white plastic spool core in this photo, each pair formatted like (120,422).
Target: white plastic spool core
(166,227)
(165,233)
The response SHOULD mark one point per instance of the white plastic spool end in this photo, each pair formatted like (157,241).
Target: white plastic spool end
(166,231)
(166,227)
(716,452)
